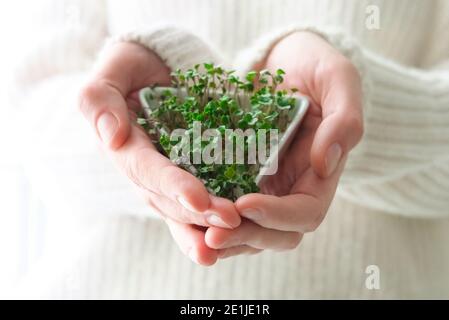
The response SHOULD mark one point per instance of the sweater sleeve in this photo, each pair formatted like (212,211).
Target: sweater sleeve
(401,165)
(177,47)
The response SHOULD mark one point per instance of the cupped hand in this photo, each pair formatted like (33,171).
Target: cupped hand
(109,102)
(295,200)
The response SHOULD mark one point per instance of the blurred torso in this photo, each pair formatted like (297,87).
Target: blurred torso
(398,31)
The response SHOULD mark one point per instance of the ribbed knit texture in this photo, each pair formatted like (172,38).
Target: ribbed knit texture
(399,169)
(179,49)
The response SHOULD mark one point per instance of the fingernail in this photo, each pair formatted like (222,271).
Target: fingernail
(193,255)
(107,126)
(183,202)
(333,157)
(217,221)
(252,214)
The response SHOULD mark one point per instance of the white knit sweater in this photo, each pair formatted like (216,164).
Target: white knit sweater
(392,206)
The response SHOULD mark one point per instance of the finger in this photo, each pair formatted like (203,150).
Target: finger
(223,210)
(125,68)
(191,242)
(106,109)
(156,174)
(280,183)
(340,93)
(221,213)
(253,235)
(301,211)
(153,172)
(296,213)
(237,251)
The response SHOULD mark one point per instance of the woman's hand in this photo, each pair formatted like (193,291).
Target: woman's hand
(110,102)
(297,197)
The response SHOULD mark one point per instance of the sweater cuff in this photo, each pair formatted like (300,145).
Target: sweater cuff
(178,48)
(340,40)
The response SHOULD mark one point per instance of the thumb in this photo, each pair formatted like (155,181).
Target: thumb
(342,125)
(335,137)
(105,108)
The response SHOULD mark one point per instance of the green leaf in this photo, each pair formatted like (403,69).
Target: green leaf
(230,172)
(284,102)
(208,66)
(243,124)
(280,72)
(253,121)
(226,120)
(251,76)
(164,141)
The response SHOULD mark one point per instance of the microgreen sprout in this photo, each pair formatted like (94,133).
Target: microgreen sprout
(221,100)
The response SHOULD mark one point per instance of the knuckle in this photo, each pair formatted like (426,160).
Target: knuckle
(358,128)
(355,125)
(86,95)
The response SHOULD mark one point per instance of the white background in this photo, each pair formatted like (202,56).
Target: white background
(18,208)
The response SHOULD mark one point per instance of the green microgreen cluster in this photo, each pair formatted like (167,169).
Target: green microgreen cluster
(220,100)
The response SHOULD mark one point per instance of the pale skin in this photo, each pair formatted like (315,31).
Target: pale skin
(292,202)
